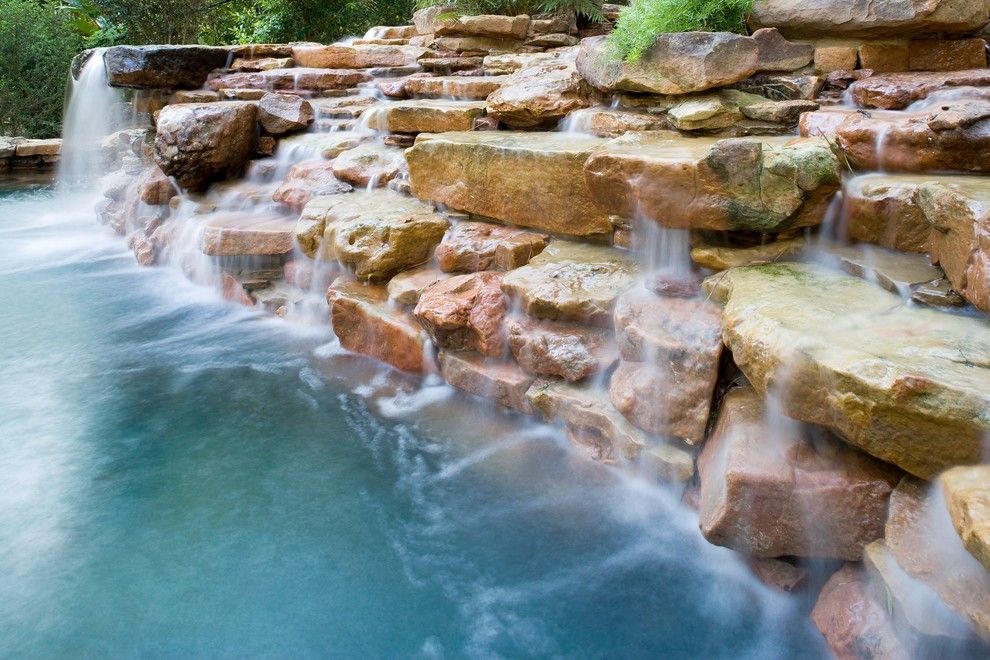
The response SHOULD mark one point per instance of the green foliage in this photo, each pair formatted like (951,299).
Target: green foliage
(590,9)
(641,22)
(37,43)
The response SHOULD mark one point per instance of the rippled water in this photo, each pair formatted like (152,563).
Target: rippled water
(183,477)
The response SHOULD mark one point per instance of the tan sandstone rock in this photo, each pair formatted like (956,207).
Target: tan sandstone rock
(910,386)
(492,173)
(284,113)
(967,496)
(370,165)
(564,350)
(503,382)
(473,246)
(306,180)
(751,184)
(896,91)
(540,96)
(426,116)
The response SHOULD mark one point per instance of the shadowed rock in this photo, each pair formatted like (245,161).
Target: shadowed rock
(149,67)
(896,91)
(197,143)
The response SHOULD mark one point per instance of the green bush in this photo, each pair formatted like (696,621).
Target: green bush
(641,22)
(590,9)
(36,45)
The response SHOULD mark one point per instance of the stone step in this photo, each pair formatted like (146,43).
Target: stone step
(603,434)
(366,323)
(747,184)
(895,271)
(247,234)
(369,165)
(946,216)
(953,136)
(326,145)
(376,234)
(571,281)
(527,179)
(341,56)
(897,91)
(503,382)
(298,78)
(454,87)
(909,385)
(425,116)
(474,246)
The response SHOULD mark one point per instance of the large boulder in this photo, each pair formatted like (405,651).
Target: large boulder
(279,114)
(541,96)
(854,624)
(465,313)
(772,490)
(150,67)
(954,135)
(603,434)
(197,143)
(908,385)
(341,56)
(235,234)
(493,174)
(572,282)
(670,349)
(677,63)
(375,234)
(966,490)
(474,246)
(865,18)
(366,323)
(896,91)
(883,209)
(744,184)
(958,210)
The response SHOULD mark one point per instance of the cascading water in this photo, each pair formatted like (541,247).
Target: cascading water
(89,118)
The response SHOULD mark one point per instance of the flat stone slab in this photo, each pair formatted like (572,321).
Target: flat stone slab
(883,209)
(454,87)
(910,386)
(326,145)
(895,271)
(752,184)
(952,136)
(152,67)
(344,56)
(425,116)
(406,287)
(503,382)
(294,79)
(718,257)
(246,234)
(46,147)
(366,323)
(604,434)
(896,91)
(528,179)
(572,282)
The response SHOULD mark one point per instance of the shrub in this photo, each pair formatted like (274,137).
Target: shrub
(36,46)
(641,22)
(590,9)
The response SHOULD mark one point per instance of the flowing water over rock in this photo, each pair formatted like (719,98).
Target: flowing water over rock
(183,477)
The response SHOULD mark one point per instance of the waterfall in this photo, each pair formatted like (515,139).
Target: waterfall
(88,120)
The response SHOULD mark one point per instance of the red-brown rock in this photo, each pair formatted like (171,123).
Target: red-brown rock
(470,247)
(308,179)
(565,350)
(503,382)
(896,91)
(769,490)
(854,624)
(465,313)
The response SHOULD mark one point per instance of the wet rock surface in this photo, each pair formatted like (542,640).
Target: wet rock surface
(475,246)
(541,96)
(753,184)
(427,116)
(465,313)
(284,113)
(503,382)
(896,91)
(565,350)
(572,282)
(967,497)
(145,67)
(197,143)
(365,323)
(774,492)
(909,386)
(492,174)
